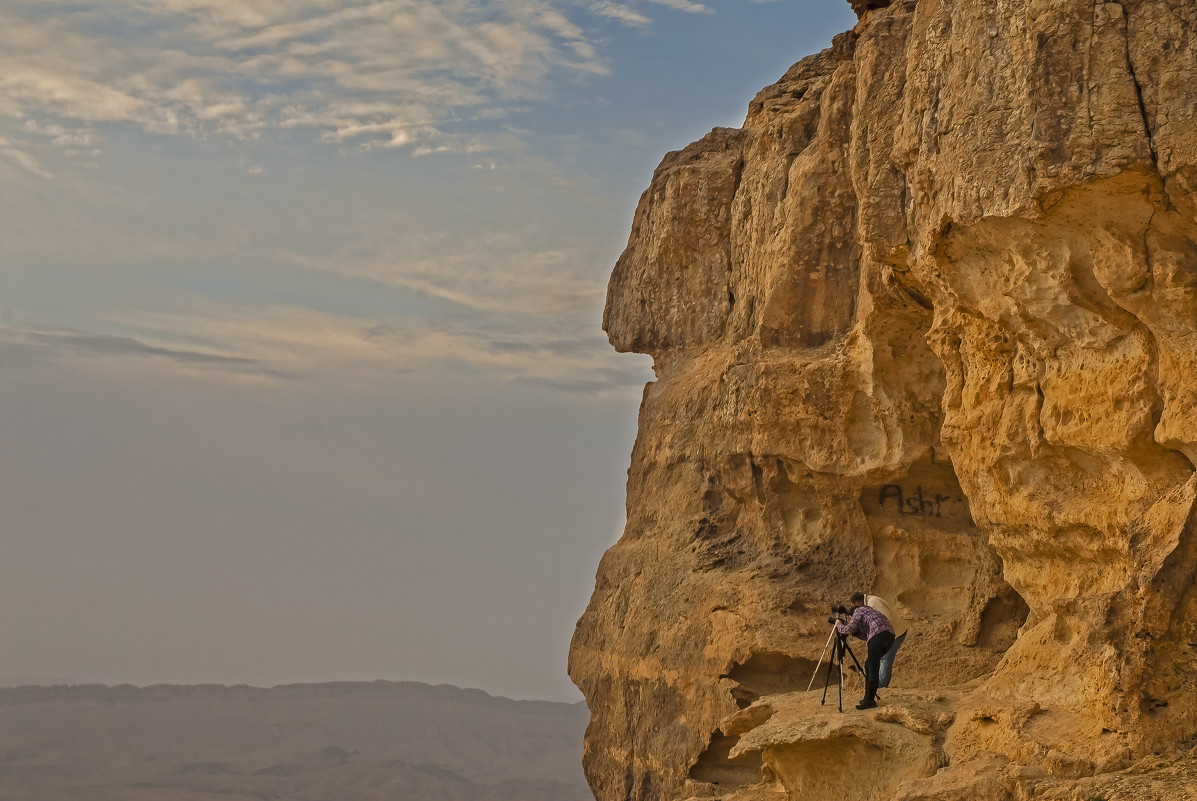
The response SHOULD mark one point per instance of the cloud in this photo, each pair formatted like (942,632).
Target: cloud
(684,5)
(485,302)
(623,13)
(22,159)
(492,275)
(396,73)
(602,382)
(41,345)
(423,77)
(585,364)
(301,342)
(287,339)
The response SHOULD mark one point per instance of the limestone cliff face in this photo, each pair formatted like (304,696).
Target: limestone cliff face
(925,326)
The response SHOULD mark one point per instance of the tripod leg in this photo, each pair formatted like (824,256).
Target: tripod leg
(820,662)
(864,677)
(827,678)
(854,659)
(842,645)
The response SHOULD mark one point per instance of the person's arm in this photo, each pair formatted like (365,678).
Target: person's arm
(854,627)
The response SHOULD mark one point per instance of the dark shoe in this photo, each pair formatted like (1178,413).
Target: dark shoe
(867,705)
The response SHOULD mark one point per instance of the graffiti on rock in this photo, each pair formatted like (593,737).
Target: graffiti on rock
(920,502)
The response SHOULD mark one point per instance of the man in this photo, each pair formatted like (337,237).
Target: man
(870,625)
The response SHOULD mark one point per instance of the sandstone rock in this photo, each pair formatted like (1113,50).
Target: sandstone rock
(926,326)
(861,6)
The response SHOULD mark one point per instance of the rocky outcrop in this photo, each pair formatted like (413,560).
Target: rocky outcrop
(926,325)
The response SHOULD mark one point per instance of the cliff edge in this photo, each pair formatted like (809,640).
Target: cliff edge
(925,326)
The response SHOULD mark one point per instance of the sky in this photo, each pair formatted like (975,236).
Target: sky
(302,375)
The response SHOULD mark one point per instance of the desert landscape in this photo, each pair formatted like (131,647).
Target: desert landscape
(307,742)
(303,381)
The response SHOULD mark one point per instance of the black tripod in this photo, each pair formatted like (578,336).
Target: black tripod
(837,658)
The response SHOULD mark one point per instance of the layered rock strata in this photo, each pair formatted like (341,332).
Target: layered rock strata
(926,325)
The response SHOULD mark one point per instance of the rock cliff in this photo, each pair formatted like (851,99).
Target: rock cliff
(926,326)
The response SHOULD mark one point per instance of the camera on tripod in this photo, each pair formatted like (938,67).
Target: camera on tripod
(839,650)
(838,613)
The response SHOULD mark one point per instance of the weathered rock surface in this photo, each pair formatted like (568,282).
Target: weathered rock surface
(925,326)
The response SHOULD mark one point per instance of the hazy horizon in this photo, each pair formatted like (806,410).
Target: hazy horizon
(300,308)
(17,683)
(364,741)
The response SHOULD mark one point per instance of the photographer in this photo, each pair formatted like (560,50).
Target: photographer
(874,627)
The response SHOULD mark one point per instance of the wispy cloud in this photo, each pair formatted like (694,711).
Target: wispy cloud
(50,344)
(621,12)
(396,73)
(303,342)
(685,5)
(493,273)
(424,77)
(20,158)
(601,381)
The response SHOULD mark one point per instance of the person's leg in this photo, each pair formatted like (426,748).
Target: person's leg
(886,673)
(879,644)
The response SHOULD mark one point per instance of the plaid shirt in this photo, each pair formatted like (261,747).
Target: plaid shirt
(866,622)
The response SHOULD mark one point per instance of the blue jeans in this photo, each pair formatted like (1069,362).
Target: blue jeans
(879,645)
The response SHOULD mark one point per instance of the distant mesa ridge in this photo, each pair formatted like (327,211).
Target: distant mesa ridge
(346,740)
(39,691)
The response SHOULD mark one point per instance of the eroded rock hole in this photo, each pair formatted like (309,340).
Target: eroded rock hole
(1003,616)
(1154,705)
(772,673)
(715,765)
(758,480)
